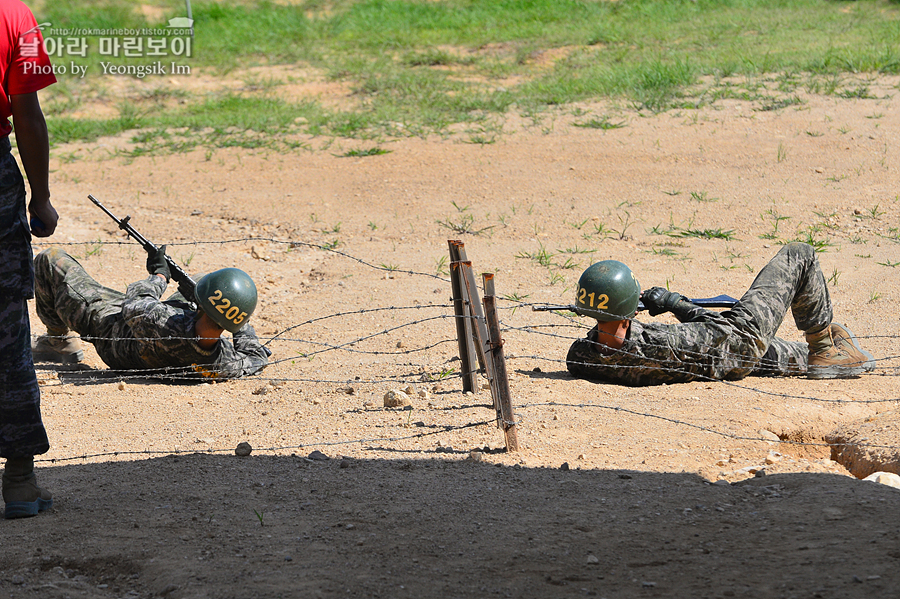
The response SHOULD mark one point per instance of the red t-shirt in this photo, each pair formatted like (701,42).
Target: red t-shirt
(24,64)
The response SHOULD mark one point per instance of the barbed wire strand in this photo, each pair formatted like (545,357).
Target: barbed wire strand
(573,322)
(444,429)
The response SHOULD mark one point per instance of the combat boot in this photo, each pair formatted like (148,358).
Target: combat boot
(844,339)
(55,346)
(21,494)
(835,356)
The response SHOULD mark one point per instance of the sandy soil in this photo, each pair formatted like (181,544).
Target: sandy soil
(658,496)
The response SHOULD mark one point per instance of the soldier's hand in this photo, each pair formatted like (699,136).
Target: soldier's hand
(43,218)
(657,300)
(157,265)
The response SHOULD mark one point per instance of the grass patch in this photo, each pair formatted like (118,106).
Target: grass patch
(376,151)
(417,67)
(602,123)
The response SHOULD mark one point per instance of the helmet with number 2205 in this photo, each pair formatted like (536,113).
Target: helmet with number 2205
(228,297)
(607,290)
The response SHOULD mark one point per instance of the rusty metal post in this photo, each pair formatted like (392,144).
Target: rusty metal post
(470,292)
(463,321)
(500,380)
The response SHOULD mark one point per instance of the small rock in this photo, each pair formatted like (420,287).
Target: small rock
(121,386)
(261,391)
(243,449)
(769,436)
(581,456)
(17,579)
(347,390)
(625,476)
(288,558)
(345,464)
(447,449)
(485,386)
(396,398)
(760,473)
(536,369)
(318,456)
(773,458)
(476,456)
(885,478)
(564,467)
(647,583)
(399,344)
(592,559)
(424,395)
(749,470)
(369,404)
(410,390)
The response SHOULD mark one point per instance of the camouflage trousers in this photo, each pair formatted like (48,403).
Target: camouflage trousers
(22,432)
(67,298)
(792,279)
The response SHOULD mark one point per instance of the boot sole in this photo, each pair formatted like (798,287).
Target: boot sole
(26,509)
(43,356)
(869,364)
(834,372)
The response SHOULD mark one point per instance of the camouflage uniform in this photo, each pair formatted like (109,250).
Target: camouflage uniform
(22,433)
(136,330)
(727,345)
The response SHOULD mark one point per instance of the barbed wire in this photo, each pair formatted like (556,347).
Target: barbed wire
(707,429)
(273,449)
(424,375)
(288,242)
(708,379)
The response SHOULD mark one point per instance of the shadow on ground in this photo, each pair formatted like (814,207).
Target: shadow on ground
(265,527)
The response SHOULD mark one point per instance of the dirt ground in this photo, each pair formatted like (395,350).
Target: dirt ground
(690,490)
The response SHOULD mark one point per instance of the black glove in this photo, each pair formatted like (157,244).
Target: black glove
(657,300)
(157,265)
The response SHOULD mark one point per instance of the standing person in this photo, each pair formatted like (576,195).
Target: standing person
(24,70)
(708,345)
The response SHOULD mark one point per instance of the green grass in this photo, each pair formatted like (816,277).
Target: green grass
(417,67)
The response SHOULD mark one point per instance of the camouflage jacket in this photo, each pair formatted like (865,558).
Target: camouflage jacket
(161,336)
(706,345)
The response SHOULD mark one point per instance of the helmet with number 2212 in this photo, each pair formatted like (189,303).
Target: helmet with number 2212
(228,297)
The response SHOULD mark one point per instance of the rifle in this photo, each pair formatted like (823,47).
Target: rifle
(186,285)
(720,301)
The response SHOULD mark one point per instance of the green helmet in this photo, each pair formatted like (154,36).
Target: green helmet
(228,297)
(607,290)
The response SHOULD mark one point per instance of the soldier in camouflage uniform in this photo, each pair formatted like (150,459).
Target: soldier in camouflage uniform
(728,345)
(135,330)
(24,70)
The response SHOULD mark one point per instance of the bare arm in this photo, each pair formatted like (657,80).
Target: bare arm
(34,149)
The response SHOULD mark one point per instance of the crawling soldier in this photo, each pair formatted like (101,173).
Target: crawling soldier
(707,345)
(138,331)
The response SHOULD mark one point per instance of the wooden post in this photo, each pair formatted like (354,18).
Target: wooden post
(463,322)
(500,380)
